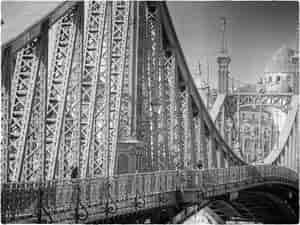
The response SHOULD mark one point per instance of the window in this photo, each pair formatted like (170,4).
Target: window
(270,78)
(277,79)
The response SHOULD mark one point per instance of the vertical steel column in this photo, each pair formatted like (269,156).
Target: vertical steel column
(203,141)
(154,35)
(70,140)
(24,84)
(58,84)
(182,110)
(91,76)
(143,84)
(43,96)
(226,161)
(218,157)
(127,107)
(166,117)
(222,129)
(6,70)
(210,151)
(4,130)
(120,19)
(197,121)
(106,63)
(142,98)
(177,126)
(134,70)
(170,77)
(222,159)
(194,145)
(188,116)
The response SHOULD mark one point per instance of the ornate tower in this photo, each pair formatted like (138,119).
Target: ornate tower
(223,61)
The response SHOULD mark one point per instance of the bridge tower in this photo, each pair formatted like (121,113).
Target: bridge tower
(223,61)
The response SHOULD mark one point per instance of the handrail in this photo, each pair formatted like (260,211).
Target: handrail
(260,94)
(17,202)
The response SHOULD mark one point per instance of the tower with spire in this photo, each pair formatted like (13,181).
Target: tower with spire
(223,61)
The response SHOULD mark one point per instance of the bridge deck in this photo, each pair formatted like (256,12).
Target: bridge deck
(101,198)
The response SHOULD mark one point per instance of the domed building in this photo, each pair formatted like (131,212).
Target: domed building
(280,73)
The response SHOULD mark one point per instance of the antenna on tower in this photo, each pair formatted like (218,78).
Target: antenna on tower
(223,30)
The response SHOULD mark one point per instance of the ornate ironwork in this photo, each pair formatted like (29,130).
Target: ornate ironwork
(281,101)
(182,131)
(58,84)
(126,99)
(93,82)
(23,89)
(120,19)
(169,84)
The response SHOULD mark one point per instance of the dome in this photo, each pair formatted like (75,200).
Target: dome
(281,61)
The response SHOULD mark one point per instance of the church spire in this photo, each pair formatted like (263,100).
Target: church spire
(223,61)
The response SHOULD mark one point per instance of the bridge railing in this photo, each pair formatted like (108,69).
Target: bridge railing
(21,200)
(194,179)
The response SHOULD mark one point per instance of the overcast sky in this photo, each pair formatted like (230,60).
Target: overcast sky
(255,30)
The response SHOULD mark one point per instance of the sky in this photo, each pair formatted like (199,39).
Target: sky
(254,31)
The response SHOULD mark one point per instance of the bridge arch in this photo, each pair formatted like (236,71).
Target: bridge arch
(251,206)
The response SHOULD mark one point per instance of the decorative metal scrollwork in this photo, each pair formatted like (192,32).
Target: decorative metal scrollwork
(162,198)
(139,202)
(110,208)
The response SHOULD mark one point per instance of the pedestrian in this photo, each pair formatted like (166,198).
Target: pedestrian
(74,172)
(199,165)
(75,186)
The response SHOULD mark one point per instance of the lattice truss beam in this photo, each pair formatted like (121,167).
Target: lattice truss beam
(166,106)
(67,113)
(280,101)
(228,119)
(74,110)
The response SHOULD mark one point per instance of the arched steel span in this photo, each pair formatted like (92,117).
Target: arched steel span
(286,153)
(247,207)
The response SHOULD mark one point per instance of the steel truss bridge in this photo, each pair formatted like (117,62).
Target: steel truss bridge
(104,87)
